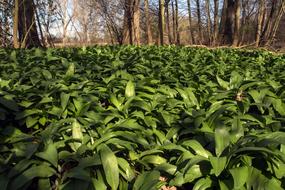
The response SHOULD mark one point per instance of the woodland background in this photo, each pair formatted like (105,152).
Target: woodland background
(50,23)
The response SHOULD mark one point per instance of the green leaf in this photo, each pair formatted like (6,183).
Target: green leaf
(126,170)
(71,70)
(203,184)
(76,134)
(47,74)
(222,83)
(49,154)
(31,121)
(147,180)
(240,176)
(42,171)
(218,164)
(110,166)
(9,103)
(64,98)
(222,140)
(130,89)
(235,80)
(197,147)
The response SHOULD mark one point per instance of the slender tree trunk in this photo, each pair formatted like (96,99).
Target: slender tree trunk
(191,33)
(173,21)
(168,22)
(223,22)
(228,28)
(209,23)
(261,10)
(237,23)
(199,21)
(148,25)
(161,21)
(136,22)
(16,24)
(177,23)
(216,22)
(276,23)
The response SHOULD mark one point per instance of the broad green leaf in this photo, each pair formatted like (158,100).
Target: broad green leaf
(76,134)
(147,180)
(41,171)
(71,70)
(9,103)
(203,184)
(197,147)
(110,166)
(240,176)
(222,140)
(222,83)
(31,121)
(218,164)
(64,98)
(130,89)
(49,154)
(126,169)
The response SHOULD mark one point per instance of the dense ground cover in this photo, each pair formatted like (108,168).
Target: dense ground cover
(142,118)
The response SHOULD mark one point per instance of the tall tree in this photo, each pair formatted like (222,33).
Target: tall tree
(236,24)
(148,24)
(260,20)
(161,21)
(177,23)
(168,21)
(209,22)
(216,22)
(132,22)
(191,32)
(199,21)
(25,25)
(16,43)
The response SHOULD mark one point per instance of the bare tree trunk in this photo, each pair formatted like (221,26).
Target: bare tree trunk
(228,28)
(261,10)
(16,24)
(209,23)
(161,21)
(168,22)
(148,26)
(177,23)
(173,21)
(223,22)
(216,22)
(199,21)
(65,23)
(276,23)
(237,24)
(191,33)
(136,22)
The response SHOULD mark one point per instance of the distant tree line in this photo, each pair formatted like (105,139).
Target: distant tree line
(41,23)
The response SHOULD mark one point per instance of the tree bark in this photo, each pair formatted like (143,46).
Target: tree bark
(173,21)
(216,22)
(177,23)
(199,21)
(161,21)
(228,22)
(209,23)
(16,24)
(148,24)
(261,10)
(191,33)
(168,22)
(237,24)
(136,22)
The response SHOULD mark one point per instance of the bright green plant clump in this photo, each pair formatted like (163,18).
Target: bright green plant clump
(142,118)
